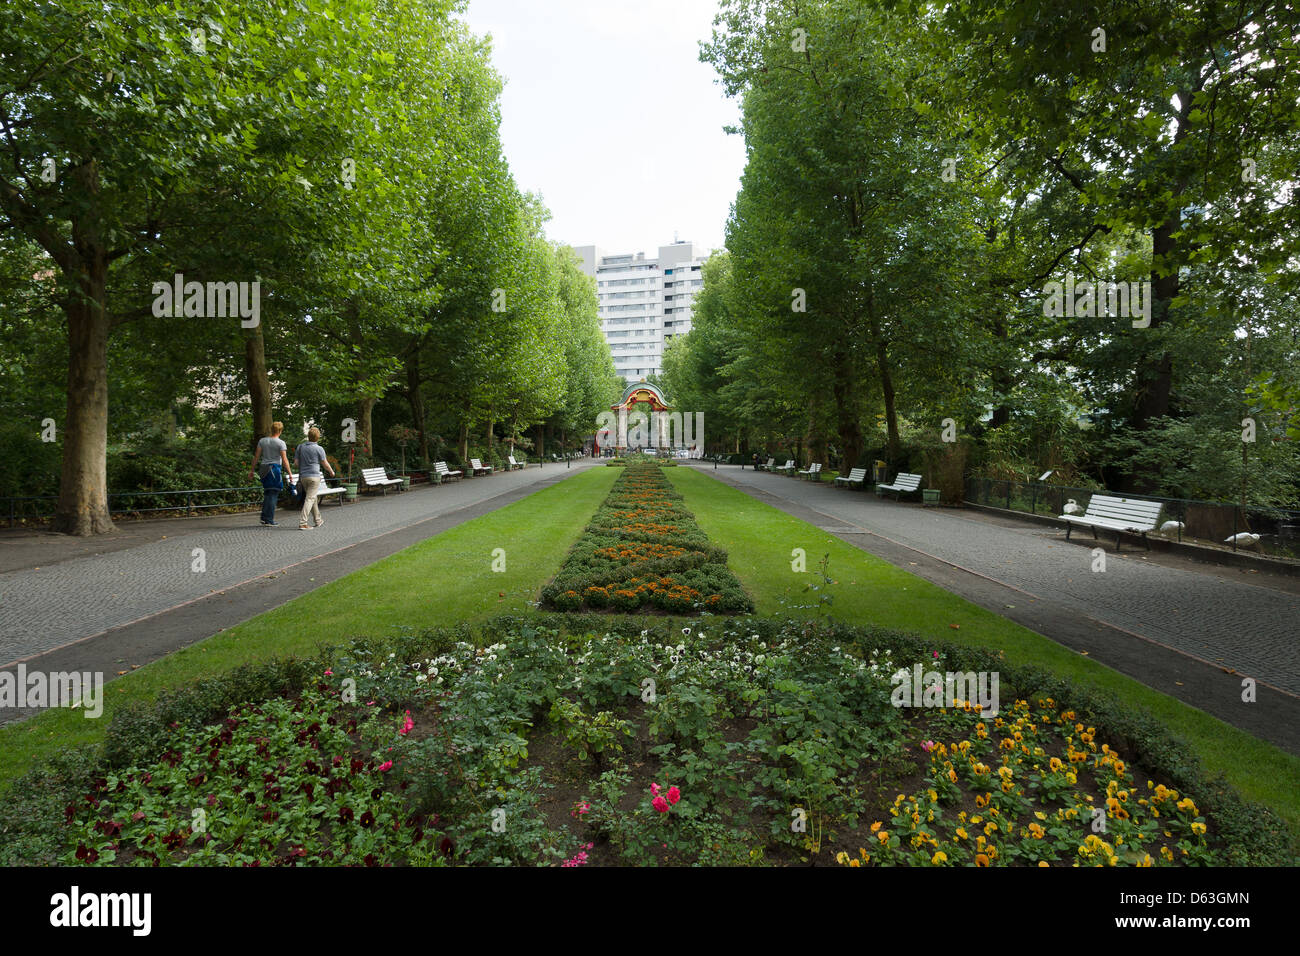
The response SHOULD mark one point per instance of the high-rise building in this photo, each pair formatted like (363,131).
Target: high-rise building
(644,302)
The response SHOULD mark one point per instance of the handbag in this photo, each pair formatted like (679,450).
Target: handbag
(272,481)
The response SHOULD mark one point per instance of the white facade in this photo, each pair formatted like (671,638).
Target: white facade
(644,302)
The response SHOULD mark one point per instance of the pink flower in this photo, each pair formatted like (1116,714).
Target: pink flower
(928,745)
(674,795)
(407,724)
(329,673)
(936,655)
(654,789)
(386,765)
(660,804)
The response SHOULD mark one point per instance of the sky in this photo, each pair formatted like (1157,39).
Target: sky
(609,114)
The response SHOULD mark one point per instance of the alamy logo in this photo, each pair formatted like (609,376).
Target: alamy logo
(945,689)
(215,300)
(656,430)
(1130,300)
(74,909)
(55,689)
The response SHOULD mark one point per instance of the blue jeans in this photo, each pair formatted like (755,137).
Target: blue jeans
(268,505)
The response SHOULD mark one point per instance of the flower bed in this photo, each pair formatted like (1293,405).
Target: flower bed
(759,742)
(643,550)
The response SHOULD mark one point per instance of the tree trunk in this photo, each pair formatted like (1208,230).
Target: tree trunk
(365,427)
(1155,373)
(541,439)
(415,397)
(462,446)
(83,487)
(816,439)
(259,383)
(893,448)
(1003,379)
(849,426)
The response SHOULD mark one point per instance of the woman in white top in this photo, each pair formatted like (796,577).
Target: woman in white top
(271,450)
(311,458)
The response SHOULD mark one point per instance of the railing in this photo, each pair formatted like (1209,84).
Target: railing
(137,502)
(1210,523)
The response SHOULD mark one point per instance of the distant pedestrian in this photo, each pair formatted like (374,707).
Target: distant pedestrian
(272,454)
(310,459)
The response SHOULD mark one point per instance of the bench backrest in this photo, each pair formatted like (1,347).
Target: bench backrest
(907,480)
(771,462)
(789,464)
(441,467)
(511,459)
(815,467)
(857,474)
(374,474)
(1141,514)
(476,463)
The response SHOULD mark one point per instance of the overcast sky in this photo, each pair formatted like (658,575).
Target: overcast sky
(610,115)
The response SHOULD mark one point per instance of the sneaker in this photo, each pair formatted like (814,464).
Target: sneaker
(303,527)
(319,523)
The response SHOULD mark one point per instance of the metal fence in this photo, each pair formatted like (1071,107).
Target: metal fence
(138,502)
(1210,523)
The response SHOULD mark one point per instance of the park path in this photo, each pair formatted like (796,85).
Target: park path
(53,594)
(1189,629)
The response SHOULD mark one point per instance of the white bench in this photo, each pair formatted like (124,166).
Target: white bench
(767,467)
(905,483)
(323,492)
(511,464)
(813,472)
(378,478)
(1132,515)
(788,467)
(478,466)
(444,473)
(855,477)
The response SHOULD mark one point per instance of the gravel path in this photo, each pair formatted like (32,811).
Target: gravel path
(1253,629)
(63,594)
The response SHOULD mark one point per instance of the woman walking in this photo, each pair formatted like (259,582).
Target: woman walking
(310,459)
(272,453)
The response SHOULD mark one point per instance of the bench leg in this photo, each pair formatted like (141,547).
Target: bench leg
(1117,541)
(1069,526)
